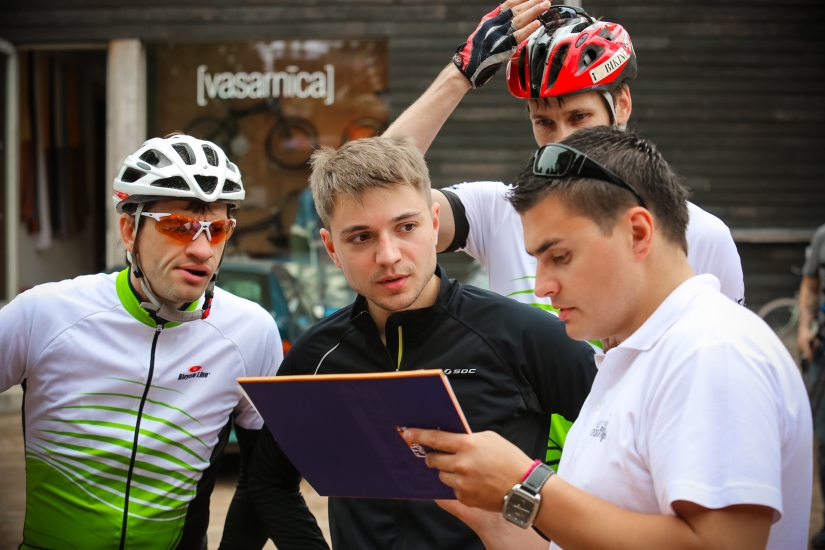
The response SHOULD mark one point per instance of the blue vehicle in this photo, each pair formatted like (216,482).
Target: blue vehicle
(270,285)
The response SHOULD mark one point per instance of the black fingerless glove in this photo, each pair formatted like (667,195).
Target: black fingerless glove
(490,46)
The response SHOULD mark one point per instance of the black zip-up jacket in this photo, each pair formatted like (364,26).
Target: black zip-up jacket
(510,365)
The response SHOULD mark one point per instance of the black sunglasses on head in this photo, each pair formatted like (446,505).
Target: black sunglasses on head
(561,16)
(560,161)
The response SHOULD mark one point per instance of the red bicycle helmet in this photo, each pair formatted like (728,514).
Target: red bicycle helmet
(570,54)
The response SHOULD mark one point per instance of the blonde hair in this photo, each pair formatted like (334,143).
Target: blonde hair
(364,164)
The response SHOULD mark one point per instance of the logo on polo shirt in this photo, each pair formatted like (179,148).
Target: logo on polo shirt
(195,371)
(600,430)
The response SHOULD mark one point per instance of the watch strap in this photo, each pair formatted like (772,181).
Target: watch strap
(537,478)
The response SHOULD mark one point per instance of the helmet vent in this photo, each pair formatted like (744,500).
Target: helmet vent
(130,175)
(175,182)
(589,56)
(230,186)
(211,158)
(537,64)
(185,153)
(207,183)
(581,40)
(556,65)
(155,158)
(579,28)
(522,66)
(232,167)
(607,35)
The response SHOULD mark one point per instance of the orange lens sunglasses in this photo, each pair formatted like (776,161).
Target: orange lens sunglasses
(186,230)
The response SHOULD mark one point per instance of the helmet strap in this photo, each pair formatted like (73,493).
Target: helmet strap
(154,305)
(611,106)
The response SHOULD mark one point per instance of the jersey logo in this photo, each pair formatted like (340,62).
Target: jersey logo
(459,371)
(610,66)
(600,431)
(195,371)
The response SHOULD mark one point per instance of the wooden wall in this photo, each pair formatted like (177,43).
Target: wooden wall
(731,90)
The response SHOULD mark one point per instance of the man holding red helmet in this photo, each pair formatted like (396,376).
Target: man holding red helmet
(573,72)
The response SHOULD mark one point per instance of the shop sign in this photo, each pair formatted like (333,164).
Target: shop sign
(289,83)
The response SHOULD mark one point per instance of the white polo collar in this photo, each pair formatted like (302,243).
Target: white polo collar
(669,312)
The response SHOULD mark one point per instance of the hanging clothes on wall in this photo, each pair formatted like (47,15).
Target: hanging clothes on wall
(54,180)
(78,183)
(43,134)
(28,149)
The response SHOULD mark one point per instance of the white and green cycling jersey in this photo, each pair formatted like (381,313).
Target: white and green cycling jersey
(123,416)
(489,229)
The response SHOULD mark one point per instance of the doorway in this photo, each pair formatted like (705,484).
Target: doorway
(62,99)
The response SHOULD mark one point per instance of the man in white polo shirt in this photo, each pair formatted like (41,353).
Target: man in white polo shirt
(697,430)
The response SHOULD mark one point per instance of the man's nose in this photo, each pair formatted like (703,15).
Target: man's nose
(388,251)
(546,285)
(200,248)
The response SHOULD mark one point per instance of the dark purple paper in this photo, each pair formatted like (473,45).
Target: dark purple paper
(342,434)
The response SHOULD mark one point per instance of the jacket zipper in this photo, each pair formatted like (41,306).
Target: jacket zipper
(400,347)
(137,434)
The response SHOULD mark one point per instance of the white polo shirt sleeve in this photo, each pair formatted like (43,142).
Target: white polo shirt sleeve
(486,207)
(711,250)
(714,434)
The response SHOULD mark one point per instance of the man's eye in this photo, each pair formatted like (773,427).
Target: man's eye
(578,117)
(407,227)
(562,258)
(358,238)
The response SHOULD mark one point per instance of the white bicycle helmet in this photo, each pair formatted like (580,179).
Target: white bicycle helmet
(179,166)
(175,167)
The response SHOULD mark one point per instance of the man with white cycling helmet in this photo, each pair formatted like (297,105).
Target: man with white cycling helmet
(130,378)
(573,72)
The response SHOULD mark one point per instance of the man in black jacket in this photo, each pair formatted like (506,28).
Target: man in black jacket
(510,365)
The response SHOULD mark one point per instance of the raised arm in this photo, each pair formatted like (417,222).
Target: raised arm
(809,294)
(808,302)
(491,44)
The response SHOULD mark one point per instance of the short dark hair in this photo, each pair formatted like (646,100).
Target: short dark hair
(615,93)
(632,158)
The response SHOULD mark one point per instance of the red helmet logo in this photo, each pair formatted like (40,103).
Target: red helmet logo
(196,368)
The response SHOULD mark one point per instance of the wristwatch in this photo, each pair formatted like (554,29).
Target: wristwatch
(521,504)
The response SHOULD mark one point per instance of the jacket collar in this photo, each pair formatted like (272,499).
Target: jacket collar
(415,321)
(131,302)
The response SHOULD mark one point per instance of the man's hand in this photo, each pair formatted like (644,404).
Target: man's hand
(481,468)
(805,342)
(496,38)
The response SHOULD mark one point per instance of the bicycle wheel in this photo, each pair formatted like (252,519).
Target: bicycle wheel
(212,129)
(364,127)
(782,315)
(290,143)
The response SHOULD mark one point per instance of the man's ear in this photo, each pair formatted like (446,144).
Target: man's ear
(127,231)
(330,246)
(624,105)
(642,226)
(435,209)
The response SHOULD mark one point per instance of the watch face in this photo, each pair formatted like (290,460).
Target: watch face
(520,508)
